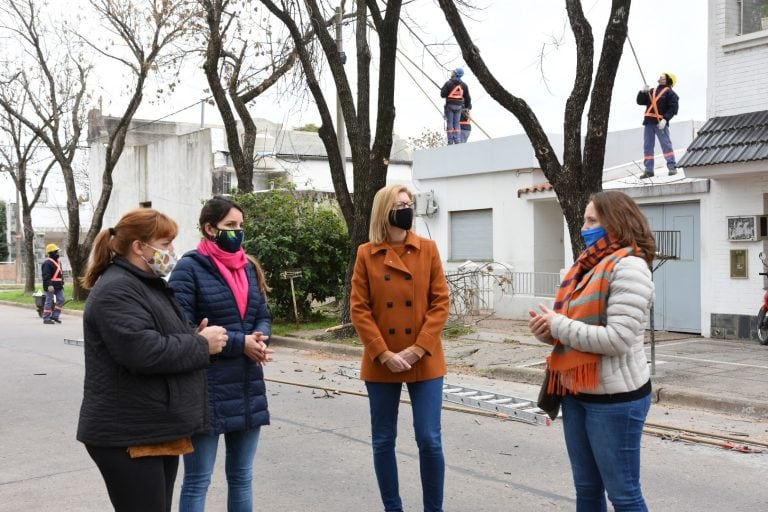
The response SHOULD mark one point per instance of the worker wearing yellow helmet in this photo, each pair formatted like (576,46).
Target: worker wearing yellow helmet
(661,105)
(53,283)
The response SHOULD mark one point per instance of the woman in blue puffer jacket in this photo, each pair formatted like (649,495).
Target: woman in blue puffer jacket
(218,281)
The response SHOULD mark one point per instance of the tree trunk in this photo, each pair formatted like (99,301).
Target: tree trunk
(29,248)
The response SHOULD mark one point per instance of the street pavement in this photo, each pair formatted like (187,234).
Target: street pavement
(316,454)
(729,376)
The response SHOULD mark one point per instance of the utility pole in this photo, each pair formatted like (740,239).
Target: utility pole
(341,133)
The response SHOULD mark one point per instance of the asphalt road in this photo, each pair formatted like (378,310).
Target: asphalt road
(316,454)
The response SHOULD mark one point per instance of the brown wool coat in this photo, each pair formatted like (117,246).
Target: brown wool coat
(398,302)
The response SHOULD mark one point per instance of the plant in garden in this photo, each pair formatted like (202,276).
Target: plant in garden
(291,230)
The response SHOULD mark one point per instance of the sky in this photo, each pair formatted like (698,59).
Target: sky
(512,35)
(668,35)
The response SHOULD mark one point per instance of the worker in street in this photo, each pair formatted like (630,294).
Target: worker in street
(662,104)
(465,124)
(53,283)
(456,94)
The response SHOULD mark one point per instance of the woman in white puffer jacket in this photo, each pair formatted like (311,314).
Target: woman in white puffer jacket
(598,362)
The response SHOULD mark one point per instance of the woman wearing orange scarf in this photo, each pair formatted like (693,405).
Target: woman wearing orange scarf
(598,362)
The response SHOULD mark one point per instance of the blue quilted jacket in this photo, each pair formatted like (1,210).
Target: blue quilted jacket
(235,383)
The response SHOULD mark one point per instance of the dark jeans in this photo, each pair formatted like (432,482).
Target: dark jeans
(426,402)
(603,442)
(144,484)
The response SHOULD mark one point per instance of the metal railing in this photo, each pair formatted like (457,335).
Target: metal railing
(537,284)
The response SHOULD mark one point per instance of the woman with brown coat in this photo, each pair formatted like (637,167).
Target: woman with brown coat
(399,305)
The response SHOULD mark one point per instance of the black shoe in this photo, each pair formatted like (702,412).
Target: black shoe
(646,175)
(56,320)
(48,322)
(672,172)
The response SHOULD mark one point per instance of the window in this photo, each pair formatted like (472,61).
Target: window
(749,15)
(221,182)
(472,235)
(145,204)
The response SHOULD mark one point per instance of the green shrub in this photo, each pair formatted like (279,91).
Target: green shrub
(288,229)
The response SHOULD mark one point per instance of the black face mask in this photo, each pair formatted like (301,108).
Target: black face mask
(54,255)
(402,219)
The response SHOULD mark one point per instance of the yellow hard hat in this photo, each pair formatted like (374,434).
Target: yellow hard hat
(672,78)
(51,248)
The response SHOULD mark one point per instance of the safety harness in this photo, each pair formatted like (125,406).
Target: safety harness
(457,93)
(653,108)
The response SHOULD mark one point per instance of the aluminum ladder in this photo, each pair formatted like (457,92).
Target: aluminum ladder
(508,407)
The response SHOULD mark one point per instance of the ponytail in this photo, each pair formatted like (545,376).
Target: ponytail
(101,257)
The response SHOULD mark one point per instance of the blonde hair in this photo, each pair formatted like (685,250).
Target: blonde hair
(383,204)
(143,224)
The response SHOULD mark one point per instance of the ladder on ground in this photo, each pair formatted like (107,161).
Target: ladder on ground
(507,406)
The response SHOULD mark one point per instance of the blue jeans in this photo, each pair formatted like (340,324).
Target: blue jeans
(51,311)
(198,468)
(426,402)
(651,131)
(603,442)
(452,126)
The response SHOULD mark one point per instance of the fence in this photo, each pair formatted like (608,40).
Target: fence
(473,291)
(537,284)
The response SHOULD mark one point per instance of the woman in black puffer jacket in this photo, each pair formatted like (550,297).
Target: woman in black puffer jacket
(145,389)
(219,282)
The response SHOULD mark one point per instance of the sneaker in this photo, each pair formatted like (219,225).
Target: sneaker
(56,320)
(672,172)
(646,175)
(48,322)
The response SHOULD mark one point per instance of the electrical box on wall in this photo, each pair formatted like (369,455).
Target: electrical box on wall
(425,204)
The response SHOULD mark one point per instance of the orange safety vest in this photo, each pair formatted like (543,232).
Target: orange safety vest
(57,274)
(457,93)
(653,108)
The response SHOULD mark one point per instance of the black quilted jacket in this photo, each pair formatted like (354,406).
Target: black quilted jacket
(145,376)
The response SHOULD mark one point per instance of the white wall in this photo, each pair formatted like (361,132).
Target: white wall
(738,65)
(721,293)
(512,233)
(173,173)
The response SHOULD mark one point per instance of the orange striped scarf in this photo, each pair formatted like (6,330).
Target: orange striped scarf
(583,296)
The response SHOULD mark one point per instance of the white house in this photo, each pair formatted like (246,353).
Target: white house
(175,167)
(731,151)
(492,205)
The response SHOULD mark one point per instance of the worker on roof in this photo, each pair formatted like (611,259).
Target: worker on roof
(662,104)
(456,94)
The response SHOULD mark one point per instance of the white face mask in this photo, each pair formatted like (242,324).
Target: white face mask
(162,261)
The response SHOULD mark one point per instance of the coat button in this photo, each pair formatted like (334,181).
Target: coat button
(387,277)
(391,331)
(408,303)
(407,330)
(390,304)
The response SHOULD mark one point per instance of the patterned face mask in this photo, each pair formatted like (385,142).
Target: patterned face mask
(230,240)
(162,261)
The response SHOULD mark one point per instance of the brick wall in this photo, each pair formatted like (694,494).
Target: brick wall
(8,272)
(738,64)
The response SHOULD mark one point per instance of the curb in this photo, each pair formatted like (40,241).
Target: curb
(77,312)
(662,394)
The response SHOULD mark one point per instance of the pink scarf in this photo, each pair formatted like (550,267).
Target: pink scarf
(231,265)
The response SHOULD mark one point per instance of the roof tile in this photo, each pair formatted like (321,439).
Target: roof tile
(725,139)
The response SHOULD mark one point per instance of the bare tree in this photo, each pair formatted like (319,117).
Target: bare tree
(52,76)
(238,69)
(580,173)
(370,157)
(16,158)
(149,31)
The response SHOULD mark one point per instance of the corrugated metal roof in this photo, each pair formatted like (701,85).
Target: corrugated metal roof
(727,139)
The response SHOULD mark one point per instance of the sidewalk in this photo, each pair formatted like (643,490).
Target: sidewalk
(728,376)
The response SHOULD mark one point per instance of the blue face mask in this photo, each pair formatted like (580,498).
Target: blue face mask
(230,240)
(591,236)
